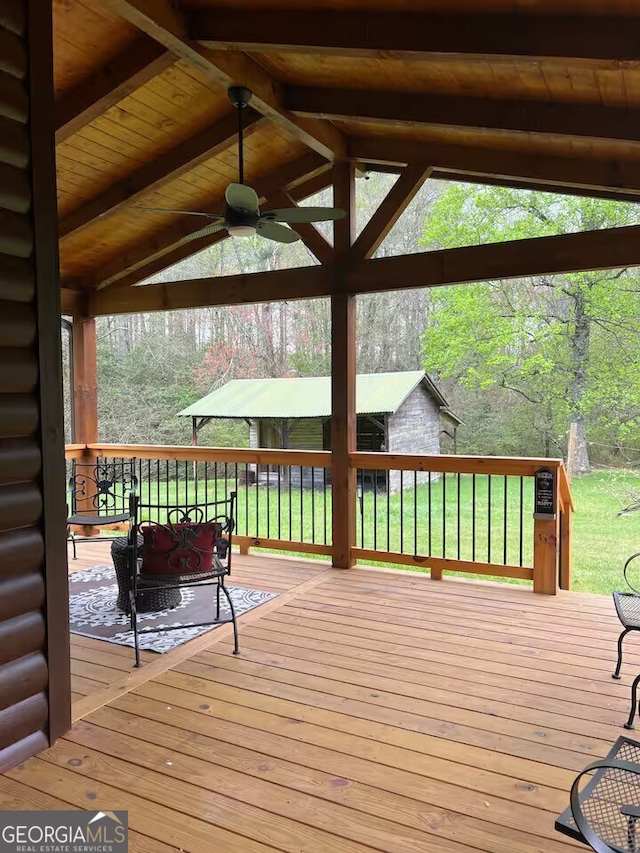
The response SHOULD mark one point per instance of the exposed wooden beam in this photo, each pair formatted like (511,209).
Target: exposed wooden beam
(310,235)
(576,120)
(300,283)
(512,183)
(590,250)
(128,71)
(162,262)
(173,236)
(606,249)
(569,172)
(169,166)
(605,40)
(72,302)
(393,205)
(192,247)
(165,22)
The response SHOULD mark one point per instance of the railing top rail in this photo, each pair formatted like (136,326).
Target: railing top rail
(189,453)
(564,487)
(502,465)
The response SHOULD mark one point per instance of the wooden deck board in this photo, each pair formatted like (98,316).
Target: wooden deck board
(368,710)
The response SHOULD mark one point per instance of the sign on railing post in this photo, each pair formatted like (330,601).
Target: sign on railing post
(545,532)
(545,490)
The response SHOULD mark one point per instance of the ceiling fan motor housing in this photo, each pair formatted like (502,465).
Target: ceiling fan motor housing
(240,96)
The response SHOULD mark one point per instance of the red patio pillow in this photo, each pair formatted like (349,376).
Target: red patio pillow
(181,549)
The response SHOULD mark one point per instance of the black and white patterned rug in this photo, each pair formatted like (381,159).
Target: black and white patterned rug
(93,611)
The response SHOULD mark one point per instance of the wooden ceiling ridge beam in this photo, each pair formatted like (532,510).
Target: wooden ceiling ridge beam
(185,250)
(129,70)
(605,40)
(390,210)
(167,167)
(604,249)
(309,234)
(171,241)
(567,172)
(517,116)
(167,24)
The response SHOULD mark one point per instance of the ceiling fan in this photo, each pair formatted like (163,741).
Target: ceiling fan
(242,217)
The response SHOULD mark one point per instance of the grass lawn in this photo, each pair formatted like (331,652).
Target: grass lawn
(603,540)
(440,520)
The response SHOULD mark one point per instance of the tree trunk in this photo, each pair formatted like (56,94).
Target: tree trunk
(580,347)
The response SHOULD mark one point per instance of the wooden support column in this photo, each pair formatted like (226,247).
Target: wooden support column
(85,402)
(85,380)
(343,377)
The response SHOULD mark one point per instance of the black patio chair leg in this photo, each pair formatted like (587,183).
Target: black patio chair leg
(218,601)
(616,674)
(634,702)
(134,626)
(236,649)
(73,545)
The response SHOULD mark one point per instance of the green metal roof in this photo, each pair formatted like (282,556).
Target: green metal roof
(376,393)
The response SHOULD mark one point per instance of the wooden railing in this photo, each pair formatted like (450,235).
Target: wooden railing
(441,513)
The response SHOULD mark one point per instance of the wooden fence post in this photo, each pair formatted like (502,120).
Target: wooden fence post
(545,556)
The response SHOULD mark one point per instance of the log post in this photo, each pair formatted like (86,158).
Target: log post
(343,377)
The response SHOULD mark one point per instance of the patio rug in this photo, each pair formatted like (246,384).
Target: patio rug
(93,612)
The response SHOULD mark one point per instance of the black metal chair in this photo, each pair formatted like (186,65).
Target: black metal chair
(98,496)
(605,813)
(627,606)
(191,548)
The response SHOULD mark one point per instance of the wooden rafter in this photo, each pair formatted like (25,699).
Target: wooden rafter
(391,209)
(604,40)
(185,156)
(569,172)
(173,236)
(577,120)
(604,249)
(167,24)
(128,71)
(309,234)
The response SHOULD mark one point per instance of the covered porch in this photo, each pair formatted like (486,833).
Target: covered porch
(369,710)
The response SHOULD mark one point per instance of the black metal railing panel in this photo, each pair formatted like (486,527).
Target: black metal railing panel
(276,502)
(485,518)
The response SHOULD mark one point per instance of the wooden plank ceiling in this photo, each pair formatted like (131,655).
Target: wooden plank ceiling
(534,92)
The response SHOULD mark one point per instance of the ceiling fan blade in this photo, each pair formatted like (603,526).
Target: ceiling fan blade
(204,232)
(304,214)
(182,212)
(242,197)
(273,231)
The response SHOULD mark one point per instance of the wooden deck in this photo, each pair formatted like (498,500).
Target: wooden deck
(368,710)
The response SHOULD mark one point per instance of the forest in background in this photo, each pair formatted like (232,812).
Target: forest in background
(518,361)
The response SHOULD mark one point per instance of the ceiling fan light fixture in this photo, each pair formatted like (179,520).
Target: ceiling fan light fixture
(241,230)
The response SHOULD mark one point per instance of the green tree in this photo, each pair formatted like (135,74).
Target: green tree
(568,346)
